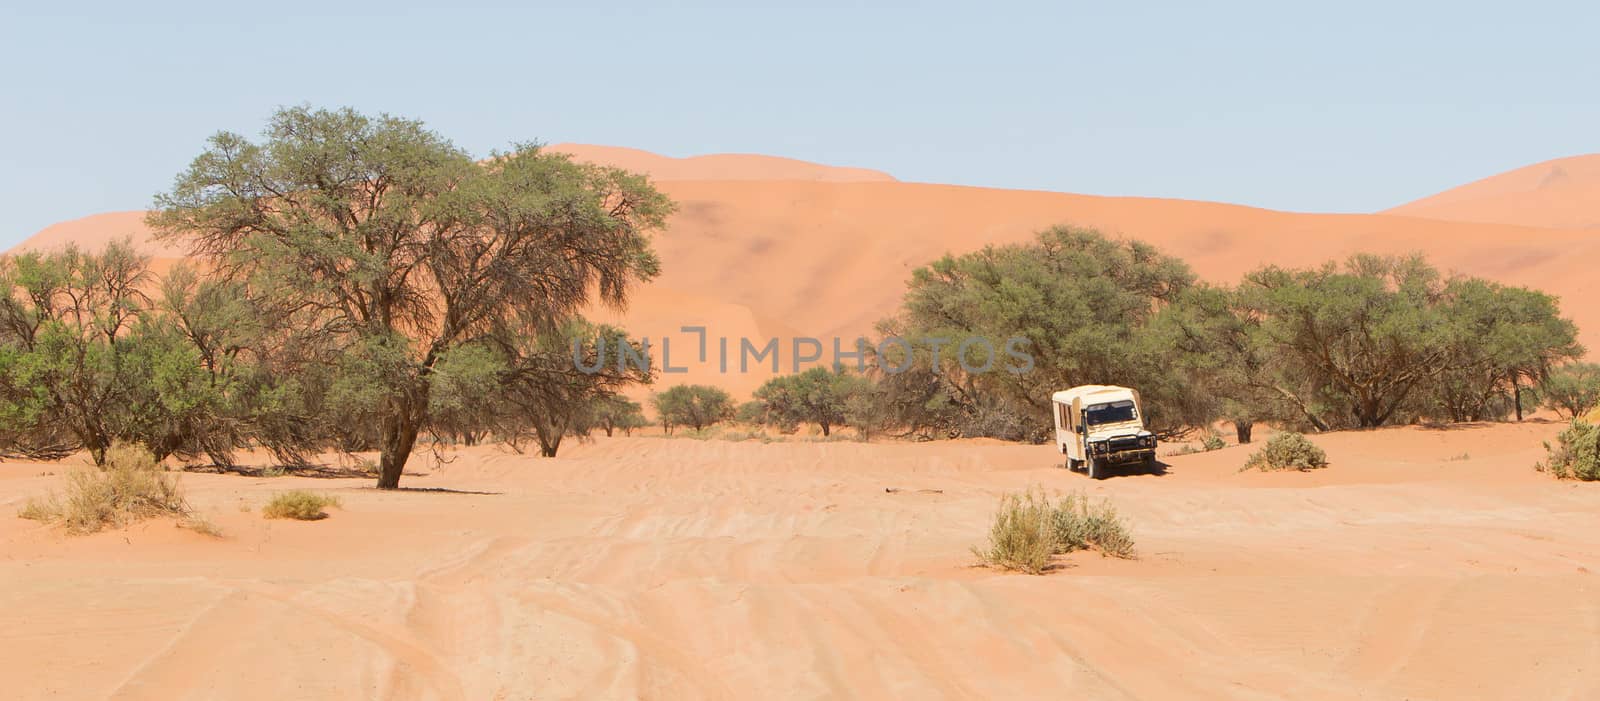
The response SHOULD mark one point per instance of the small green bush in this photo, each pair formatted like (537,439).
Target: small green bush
(1028,530)
(1022,537)
(300,505)
(1287,451)
(129,487)
(738,436)
(1080,525)
(1209,442)
(1576,454)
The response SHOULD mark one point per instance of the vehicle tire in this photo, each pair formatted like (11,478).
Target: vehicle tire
(1097,468)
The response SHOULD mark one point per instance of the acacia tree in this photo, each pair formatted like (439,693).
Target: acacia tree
(1497,337)
(818,395)
(1221,346)
(1075,301)
(396,245)
(556,380)
(695,406)
(65,374)
(1573,389)
(1388,339)
(1367,334)
(618,413)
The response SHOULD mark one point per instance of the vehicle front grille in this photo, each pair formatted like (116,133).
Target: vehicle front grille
(1121,443)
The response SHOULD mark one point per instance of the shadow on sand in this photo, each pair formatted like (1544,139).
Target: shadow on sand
(440,490)
(1469,425)
(319,471)
(1155,469)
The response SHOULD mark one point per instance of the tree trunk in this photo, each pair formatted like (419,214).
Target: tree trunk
(97,447)
(400,429)
(1242,428)
(825,429)
(1516,395)
(548,449)
(549,433)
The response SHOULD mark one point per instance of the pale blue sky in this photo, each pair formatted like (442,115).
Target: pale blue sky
(1350,106)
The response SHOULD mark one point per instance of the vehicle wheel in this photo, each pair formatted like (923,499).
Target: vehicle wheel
(1097,469)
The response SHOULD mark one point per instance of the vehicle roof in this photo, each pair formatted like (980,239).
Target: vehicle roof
(1093,393)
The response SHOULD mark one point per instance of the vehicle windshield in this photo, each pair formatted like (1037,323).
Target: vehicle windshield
(1109,413)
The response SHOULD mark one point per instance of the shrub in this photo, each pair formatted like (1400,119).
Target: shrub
(1573,389)
(740,436)
(1022,537)
(1028,530)
(1080,525)
(1576,454)
(131,487)
(1288,451)
(1211,441)
(300,505)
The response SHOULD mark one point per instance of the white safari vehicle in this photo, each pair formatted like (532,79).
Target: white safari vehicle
(1098,426)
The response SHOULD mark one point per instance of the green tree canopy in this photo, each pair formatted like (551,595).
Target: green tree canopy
(618,413)
(818,395)
(1573,389)
(65,376)
(552,396)
(387,241)
(1077,301)
(1377,340)
(695,406)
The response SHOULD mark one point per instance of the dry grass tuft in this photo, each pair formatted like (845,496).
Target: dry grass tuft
(131,487)
(300,505)
(1022,537)
(1081,525)
(1028,530)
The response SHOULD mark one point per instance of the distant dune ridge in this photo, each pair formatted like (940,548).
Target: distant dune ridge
(721,166)
(1559,194)
(767,247)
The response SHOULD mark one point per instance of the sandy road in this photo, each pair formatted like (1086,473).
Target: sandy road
(1422,564)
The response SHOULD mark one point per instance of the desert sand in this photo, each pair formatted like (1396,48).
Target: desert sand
(1421,564)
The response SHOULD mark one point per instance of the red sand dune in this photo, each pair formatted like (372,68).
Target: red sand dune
(1559,194)
(721,166)
(780,257)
